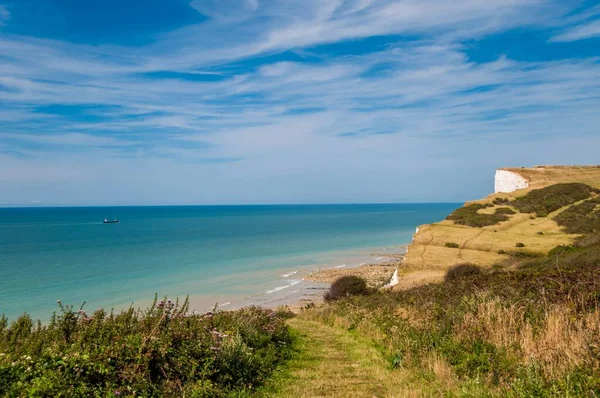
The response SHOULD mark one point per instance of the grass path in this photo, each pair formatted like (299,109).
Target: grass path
(334,363)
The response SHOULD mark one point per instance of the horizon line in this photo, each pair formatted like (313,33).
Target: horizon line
(219,205)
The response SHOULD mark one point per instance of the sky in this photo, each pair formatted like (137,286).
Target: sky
(290,101)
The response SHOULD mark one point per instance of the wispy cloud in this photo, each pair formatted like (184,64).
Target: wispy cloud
(585,31)
(295,93)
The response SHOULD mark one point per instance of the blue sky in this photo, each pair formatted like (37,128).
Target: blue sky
(272,101)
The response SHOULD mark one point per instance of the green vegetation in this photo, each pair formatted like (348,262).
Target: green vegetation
(345,286)
(505,210)
(563,249)
(530,332)
(524,254)
(460,271)
(527,326)
(332,362)
(500,201)
(582,218)
(469,215)
(546,200)
(452,245)
(162,351)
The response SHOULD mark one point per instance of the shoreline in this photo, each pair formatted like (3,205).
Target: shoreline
(310,285)
(292,289)
(209,255)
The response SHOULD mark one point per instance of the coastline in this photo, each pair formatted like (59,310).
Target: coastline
(311,283)
(233,256)
(305,285)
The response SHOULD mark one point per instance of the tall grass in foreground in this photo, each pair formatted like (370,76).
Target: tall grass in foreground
(519,333)
(161,351)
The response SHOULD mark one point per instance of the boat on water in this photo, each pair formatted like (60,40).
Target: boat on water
(107,221)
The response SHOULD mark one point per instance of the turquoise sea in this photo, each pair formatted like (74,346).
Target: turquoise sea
(215,252)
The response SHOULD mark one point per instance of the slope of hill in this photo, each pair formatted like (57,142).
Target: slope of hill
(498,228)
(526,323)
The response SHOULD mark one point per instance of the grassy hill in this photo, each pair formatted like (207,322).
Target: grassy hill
(484,240)
(522,321)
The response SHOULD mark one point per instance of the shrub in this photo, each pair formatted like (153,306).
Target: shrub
(469,215)
(505,210)
(349,285)
(546,200)
(501,251)
(563,249)
(500,201)
(520,244)
(460,271)
(525,254)
(588,240)
(162,351)
(452,245)
(582,218)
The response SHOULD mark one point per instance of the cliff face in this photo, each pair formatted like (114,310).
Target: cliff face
(509,181)
(433,249)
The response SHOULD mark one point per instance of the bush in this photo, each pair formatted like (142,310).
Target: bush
(546,200)
(500,201)
(582,218)
(469,215)
(349,285)
(520,244)
(162,351)
(501,251)
(563,249)
(460,271)
(505,210)
(452,245)
(525,254)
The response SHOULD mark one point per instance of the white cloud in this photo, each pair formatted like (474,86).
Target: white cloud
(584,31)
(67,139)
(322,123)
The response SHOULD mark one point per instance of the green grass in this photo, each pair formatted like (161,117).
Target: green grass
(336,362)
(162,351)
(327,362)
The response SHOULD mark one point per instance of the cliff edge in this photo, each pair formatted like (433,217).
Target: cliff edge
(500,227)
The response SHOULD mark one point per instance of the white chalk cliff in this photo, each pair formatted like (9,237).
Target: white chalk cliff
(509,181)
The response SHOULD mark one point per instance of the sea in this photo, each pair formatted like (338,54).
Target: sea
(213,254)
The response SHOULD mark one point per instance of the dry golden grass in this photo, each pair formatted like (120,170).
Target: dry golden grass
(442,371)
(544,176)
(409,278)
(558,344)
